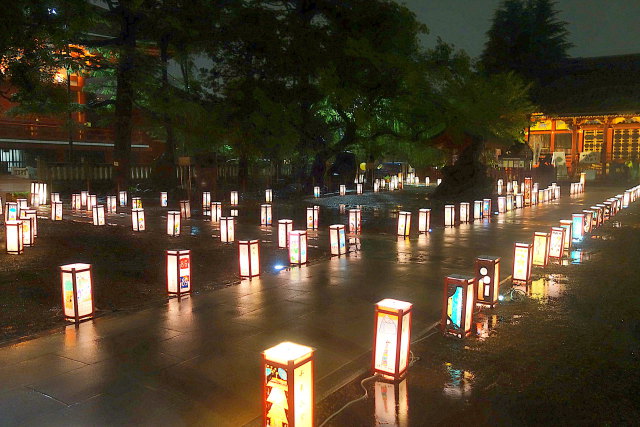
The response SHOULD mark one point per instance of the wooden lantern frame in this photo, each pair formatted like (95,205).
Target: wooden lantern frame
(449,215)
(477,209)
(486,208)
(265,215)
(358,188)
(76,202)
(567,224)
(173,223)
(164,199)
(453,284)
(338,239)
(502,204)
(298,247)
(138,222)
(92,200)
(249,252)
(28,230)
(577,226)
(404,223)
(216,211)
(520,248)
(13,231)
(112,204)
(285,226)
(206,200)
(343,189)
(227,229)
(464,212)
(397,314)
(489,282)
(176,267)
(541,243)
(84,196)
(268,195)
(424,220)
(74,270)
(233,198)
(136,203)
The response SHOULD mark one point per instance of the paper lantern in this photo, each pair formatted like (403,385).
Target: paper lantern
(76,202)
(358,188)
(298,247)
(427,181)
(28,235)
(556,192)
(509,202)
(11,211)
(588,220)
(391,338)
(464,212)
(178,271)
(355,221)
(35,187)
(500,185)
(540,196)
(597,217)
(14,237)
(56,211)
(216,211)
(607,210)
(457,313)
(265,215)
(164,199)
(449,215)
(583,178)
(31,214)
(285,226)
(288,386)
(626,200)
(514,185)
(527,191)
(234,198)
(233,212)
(577,227)
(343,190)
(502,204)
(568,238)
(338,239)
(206,200)
(404,223)
(509,187)
(522,259)
(268,195)
(477,209)
(136,203)
(438,181)
(541,242)
(77,292)
(84,196)
(227,232)
(123,198)
(55,197)
(486,208)
(519,201)
(249,258)
(487,269)
(556,242)
(98,215)
(185,209)
(534,198)
(312,217)
(112,204)
(137,219)
(376,186)
(173,223)
(316,192)
(424,220)
(92,200)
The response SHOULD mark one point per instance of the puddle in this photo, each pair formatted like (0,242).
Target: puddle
(194,230)
(485,323)
(459,382)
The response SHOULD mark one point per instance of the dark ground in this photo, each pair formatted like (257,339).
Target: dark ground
(566,355)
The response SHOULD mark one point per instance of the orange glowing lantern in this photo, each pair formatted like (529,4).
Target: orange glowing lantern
(541,244)
(424,220)
(343,190)
(556,242)
(404,223)
(216,211)
(13,237)
(11,211)
(164,199)
(136,203)
(285,226)
(123,198)
(477,209)
(98,215)
(185,209)
(137,219)
(173,223)
(111,204)
(457,313)
(265,215)
(76,202)
(56,211)
(268,195)
(84,195)
(522,259)
(178,271)
(206,201)
(355,221)
(77,292)
(449,215)
(338,239)
(488,279)
(312,217)
(298,247)
(391,338)
(288,386)
(249,258)
(28,236)
(227,232)
(568,238)
(234,198)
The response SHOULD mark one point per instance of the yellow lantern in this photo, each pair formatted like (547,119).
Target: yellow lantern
(216,211)
(136,203)
(457,311)
(227,234)
(391,338)
(285,226)
(164,199)
(522,258)
(355,221)
(288,385)
(265,215)
(488,279)
(343,190)
(112,204)
(404,223)
(13,235)
(56,211)
(98,215)
(173,223)
(249,258)
(338,239)
(123,198)
(424,220)
(178,271)
(234,198)
(464,212)
(541,245)
(268,195)
(449,215)
(298,247)
(77,292)
(185,209)
(137,219)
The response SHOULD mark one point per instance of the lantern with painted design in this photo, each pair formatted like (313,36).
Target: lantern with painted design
(298,247)
(164,199)
(502,204)
(577,226)
(234,198)
(11,211)
(337,239)
(173,223)
(77,292)
(316,191)
(185,209)
(312,217)
(84,195)
(137,219)
(464,212)
(136,203)
(424,220)
(358,188)
(486,208)
(343,190)
(556,242)
(355,221)
(178,271)
(487,270)
(477,209)
(13,237)
(28,235)
(98,215)
(404,223)
(285,226)
(123,198)
(391,338)
(31,214)
(216,211)
(111,204)
(449,215)
(227,229)
(249,258)
(588,220)
(265,215)
(457,313)
(522,259)
(56,211)
(541,243)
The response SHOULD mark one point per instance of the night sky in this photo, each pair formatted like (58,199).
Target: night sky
(597,27)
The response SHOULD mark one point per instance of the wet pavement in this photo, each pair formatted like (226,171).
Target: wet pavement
(196,361)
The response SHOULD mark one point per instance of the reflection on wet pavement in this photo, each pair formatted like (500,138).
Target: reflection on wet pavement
(459,384)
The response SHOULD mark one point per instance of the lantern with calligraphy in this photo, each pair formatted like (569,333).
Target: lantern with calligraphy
(227,229)
(268,195)
(185,209)
(556,242)
(449,215)
(391,338)
(98,215)
(459,299)
(56,211)
(502,204)
(216,211)
(285,226)
(541,243)
(355,221)
(84,195)
(522,259)
(343,190)
(312,217)
(178,271)
(249,258)
(316,191)
(487,270)
(424,220)
(173,223)
(298,247)
(527,191)
(577,227)
(13,237)
(234,198)
(477,209)
(404,223)
(111,204)
(123,198)
(337,239)
(137,219)
(164,199)
(136,203)
(288,386)
(464,212)
(77,292)
(265,215)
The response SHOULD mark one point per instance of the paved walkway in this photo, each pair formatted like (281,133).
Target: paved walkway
(196,361)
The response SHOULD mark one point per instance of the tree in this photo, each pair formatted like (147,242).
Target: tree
(527,37)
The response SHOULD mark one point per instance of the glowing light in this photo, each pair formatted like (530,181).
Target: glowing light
(391,338)
(178,271)
(457,313)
